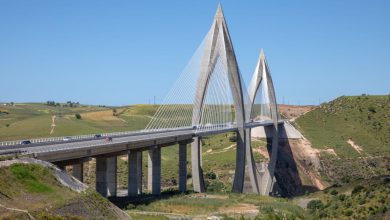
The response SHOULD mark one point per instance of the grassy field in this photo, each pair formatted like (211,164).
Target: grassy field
(227,206)
(34,120)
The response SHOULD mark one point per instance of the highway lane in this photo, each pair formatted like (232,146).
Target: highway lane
(103,142)
(122,139)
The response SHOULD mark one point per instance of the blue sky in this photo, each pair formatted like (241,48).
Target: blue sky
(126,52)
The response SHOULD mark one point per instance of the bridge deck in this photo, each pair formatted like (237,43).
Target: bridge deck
(70,150)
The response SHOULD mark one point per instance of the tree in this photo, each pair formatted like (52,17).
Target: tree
(78,116)
(114,111)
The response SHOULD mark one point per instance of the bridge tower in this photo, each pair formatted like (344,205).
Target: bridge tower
(218,47)
(262,77)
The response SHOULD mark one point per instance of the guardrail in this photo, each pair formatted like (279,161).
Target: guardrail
(88,136)
(122,133)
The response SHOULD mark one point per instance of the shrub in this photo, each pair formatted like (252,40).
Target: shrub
(371,109)
(348,212)
(357,189)
(77,115)
(215,186)
(334,192)
(315,205)
(130,206)
(341,197)
(211,175)
(233,138)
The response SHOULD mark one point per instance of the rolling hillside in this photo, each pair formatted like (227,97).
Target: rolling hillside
(34,120)
(353,133)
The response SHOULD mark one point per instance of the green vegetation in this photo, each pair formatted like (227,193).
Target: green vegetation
(361,199)
(35,189)
(25,174)
(223,205)
(363,119)
(357,128)
(77,115)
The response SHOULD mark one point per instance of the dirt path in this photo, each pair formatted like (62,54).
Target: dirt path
(355,146)
(292,112)
(211,151)
(17,210)
(240,209)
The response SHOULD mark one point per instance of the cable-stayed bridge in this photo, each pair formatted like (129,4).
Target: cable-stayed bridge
(208,98)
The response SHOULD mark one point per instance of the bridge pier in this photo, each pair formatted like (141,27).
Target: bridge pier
(251,163)
(196,166)
(78,170)
(106,171)
(134,186)
(239,174)
(182,167)
(154,170)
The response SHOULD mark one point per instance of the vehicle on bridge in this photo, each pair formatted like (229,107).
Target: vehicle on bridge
(25,142)
(67,138)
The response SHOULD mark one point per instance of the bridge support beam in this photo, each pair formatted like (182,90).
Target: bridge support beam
(154,170)
(239,174)
(197,172)
(78,170)
(106,181)
(251,164)
(268,179)
(182,167)
(134,186)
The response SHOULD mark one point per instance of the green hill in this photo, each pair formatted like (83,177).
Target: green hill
(363,119)
(358,129)
(33,191)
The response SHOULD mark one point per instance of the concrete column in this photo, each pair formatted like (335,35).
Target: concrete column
(239,174)
(112,175)
(78,171)
(182,167)
(135,173)
(251,163)
(197,172)
(154,170)
(106,180)
(139,171)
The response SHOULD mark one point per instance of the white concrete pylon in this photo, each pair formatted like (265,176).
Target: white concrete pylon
(262,75)
(218,47)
